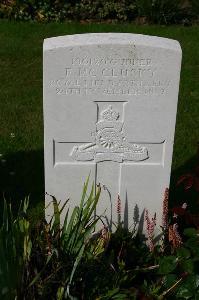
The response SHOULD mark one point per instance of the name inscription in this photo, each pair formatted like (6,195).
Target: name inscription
(110,76)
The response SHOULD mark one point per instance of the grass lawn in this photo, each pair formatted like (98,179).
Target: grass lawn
(21,123)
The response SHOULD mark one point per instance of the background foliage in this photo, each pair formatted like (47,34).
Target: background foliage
(141,11)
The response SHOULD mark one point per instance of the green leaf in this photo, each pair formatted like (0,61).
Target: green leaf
(64,228)
(190,232)
(72,221)
(60,293)
(113,292)
(76,263)
(84,193)
(56,223)
(193,244)
(89,203)
(39,274)
(183,252)
(63,206)
(5,224)
(120,297)
(188,287)
(184,293)
(169,280)
(167,264)
(196,295)
(188,265)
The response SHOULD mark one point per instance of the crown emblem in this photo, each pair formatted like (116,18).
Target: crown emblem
(109,114)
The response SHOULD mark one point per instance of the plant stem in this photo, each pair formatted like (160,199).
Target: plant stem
(148,268)
(170,289)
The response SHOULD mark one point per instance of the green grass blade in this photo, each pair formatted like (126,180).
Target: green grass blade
(85,188)
(79,257)
(56,223)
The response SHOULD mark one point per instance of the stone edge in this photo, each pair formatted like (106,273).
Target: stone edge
(110,39)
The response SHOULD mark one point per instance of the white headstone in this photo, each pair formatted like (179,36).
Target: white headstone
(110,103)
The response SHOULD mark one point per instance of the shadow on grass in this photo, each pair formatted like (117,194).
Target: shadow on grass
(178,194)
(22,175)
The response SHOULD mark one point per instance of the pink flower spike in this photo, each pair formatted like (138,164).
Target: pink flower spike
(165,209)
(150,226)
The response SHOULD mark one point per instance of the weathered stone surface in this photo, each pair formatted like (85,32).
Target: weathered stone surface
(110,103)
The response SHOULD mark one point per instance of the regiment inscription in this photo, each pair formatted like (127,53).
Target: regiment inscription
(110,76)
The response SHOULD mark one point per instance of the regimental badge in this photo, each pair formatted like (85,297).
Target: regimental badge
(109,142)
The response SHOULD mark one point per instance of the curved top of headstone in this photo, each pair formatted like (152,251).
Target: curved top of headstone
(110,38)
